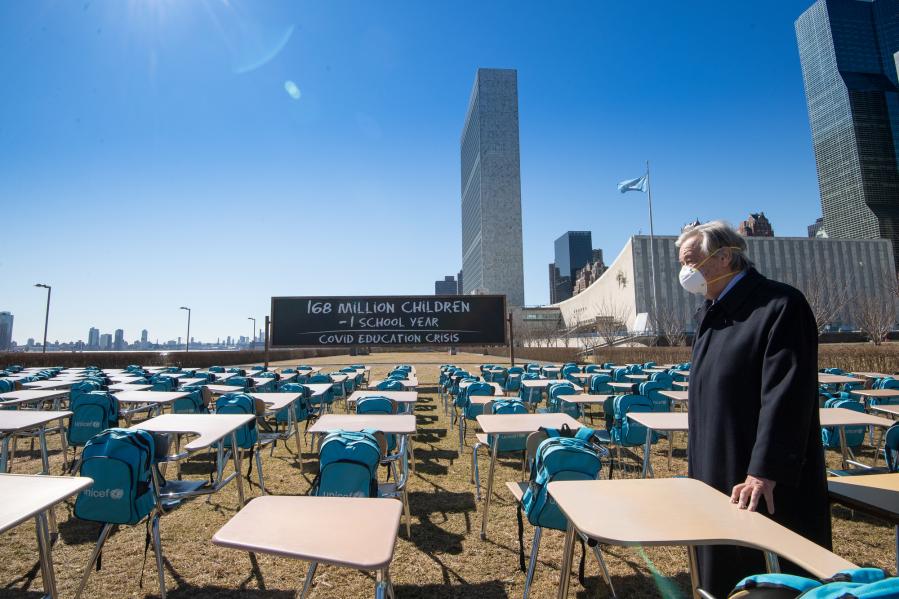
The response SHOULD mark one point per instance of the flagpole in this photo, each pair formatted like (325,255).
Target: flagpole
(652,265)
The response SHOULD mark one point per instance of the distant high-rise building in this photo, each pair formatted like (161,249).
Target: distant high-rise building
(459,283)
(816,227)
(757,225)
(573,251)
(119,343)
(93,338)
(491,188)
(30,342)
(106,342)
(6,319)
(848,53)
(446,287)
(143,337)
(559,285)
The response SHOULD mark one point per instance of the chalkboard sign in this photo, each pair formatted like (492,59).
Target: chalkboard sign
(388,320)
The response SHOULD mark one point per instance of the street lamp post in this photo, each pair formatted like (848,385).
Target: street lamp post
(253,343)
(46,314)
(187,341)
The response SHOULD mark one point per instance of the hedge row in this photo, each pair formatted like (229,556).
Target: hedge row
(177,358)
(858,357)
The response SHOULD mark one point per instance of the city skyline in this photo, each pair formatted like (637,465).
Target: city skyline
(166,149)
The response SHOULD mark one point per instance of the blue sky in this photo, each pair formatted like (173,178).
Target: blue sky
(152,157)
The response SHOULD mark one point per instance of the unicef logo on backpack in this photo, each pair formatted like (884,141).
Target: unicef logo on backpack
(87,424)
(114,494)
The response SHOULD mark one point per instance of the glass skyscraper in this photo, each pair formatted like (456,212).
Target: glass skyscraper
(847,49)
(573,251)
(491,188)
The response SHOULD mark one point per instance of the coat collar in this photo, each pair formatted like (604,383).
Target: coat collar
(740,292)
(734,298)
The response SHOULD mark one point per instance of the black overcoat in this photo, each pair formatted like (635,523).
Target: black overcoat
(753,409)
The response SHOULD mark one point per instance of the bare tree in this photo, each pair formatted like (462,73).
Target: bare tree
(826,301)
(610,322)
(875,315)
(672,327)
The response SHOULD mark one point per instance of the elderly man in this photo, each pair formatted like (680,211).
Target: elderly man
(754,426)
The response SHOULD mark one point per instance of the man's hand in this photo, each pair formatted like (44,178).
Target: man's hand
(748,493)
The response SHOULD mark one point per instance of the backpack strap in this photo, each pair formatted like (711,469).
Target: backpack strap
(584,434)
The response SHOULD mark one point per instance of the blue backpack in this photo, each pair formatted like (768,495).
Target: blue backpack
(508,443)
(563,456)
(83,387)
(348,465)
(192,404)
(239,403)
(92,413)
(624,431)
(857,583)
(855,435)
(300,407)
(120,461)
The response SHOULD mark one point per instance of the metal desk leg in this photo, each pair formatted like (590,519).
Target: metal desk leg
(4,454)
(843,448)
(46,558)
(897,550)
(237,467)
(45,467)
(772,563)
(693,564)
(493,451)
(411,454)
(298,437)
(567,553)
(646,449)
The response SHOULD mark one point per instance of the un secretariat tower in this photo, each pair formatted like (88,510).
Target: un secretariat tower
(491,188)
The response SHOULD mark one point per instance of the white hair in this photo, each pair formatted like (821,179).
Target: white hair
(716,235)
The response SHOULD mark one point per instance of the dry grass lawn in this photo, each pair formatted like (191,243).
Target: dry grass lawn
(444,558)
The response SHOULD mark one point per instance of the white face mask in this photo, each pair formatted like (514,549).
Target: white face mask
(694,281)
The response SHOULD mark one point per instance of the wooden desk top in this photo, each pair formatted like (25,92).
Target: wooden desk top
(154,397)
(17,420)
(836,379)
(397,396)
(584,398)
(877,491)
(124,379)
(626,386)
(676,395)
(844,417)
(873,375)
(50,384)
(222,389)
(685,373)
(583,376)
(318,389)
(358,533)
(894,410)
(877,392)
(637,377)
(506,424)
(661,421)
(275,402)
(26,495)
(30,395)
(173,375)
(209,428)
(129,387)
(338,378)
(684,384)
(400,424)
(681,511)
